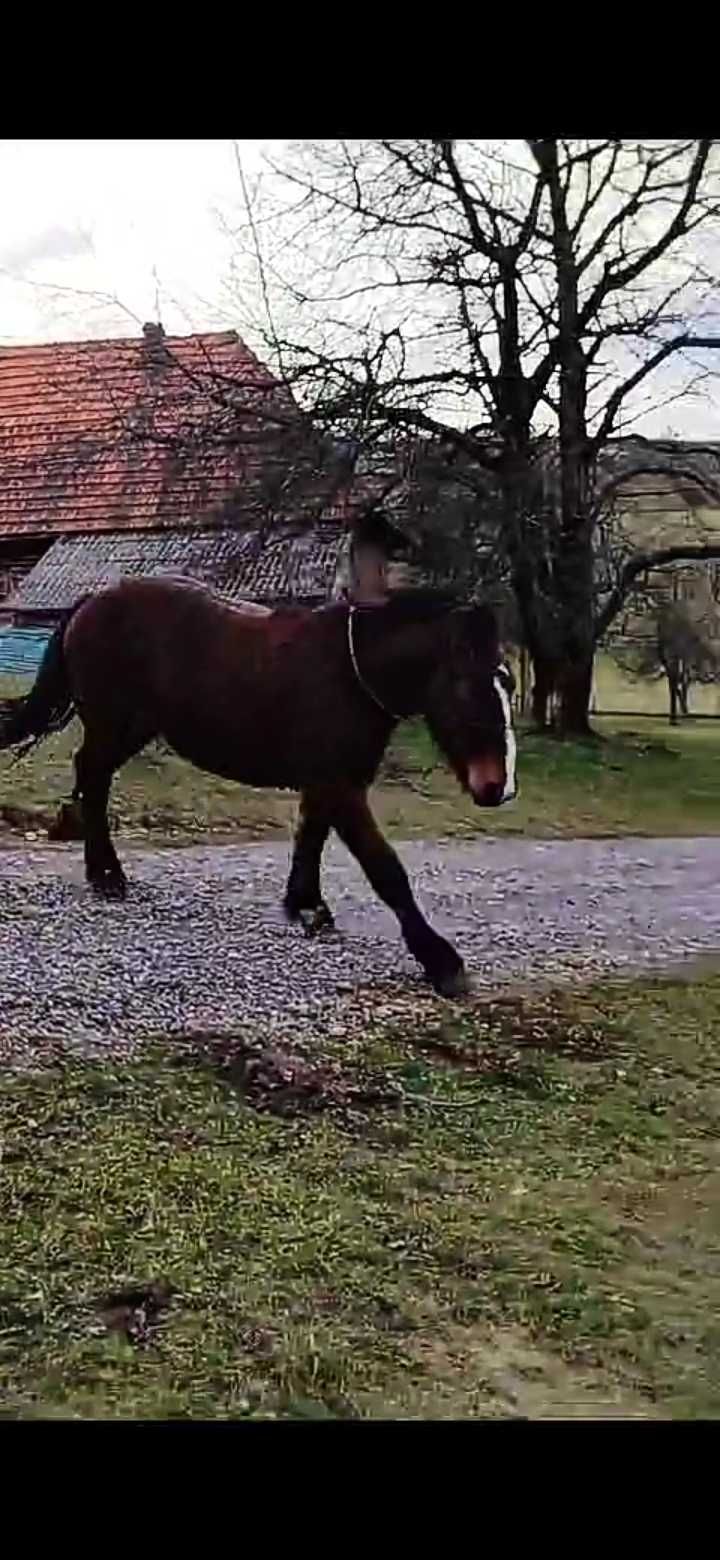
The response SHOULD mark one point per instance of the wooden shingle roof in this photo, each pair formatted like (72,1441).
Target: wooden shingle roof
(286,564)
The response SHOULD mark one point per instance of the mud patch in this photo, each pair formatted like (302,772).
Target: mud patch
(287,1083)
(32,822)
(135,1312)
(503,1373)
(493,1038)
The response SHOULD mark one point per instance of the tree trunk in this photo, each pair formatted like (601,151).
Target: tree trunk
(573,572)
(542,692)
(575,606)
(536,633)
(575,692)
(524,540)
(524,679)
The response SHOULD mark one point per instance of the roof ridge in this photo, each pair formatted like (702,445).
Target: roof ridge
(229,337)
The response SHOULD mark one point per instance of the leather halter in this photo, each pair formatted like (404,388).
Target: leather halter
(391,714)
(359,676)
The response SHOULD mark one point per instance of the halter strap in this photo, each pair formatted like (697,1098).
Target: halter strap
(359,676)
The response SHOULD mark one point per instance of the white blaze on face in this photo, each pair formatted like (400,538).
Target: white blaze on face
(510,744)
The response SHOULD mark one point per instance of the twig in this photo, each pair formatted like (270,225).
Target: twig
(414,1098)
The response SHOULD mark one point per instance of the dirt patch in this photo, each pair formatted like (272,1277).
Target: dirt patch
(493,1035)
(28,821)
(135,1312)
(504,1373)
(286,1083)
(491,1040)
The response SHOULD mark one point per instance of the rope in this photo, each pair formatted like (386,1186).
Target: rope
(358,674)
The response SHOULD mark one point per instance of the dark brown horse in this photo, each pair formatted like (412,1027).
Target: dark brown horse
(300,699)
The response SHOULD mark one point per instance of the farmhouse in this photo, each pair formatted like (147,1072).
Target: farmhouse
(134,456)
(161,455)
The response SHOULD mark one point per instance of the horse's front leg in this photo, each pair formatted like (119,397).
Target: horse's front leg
(303,899)
(357,828)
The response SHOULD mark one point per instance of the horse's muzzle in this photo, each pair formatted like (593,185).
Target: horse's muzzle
(489,795)
(487,787)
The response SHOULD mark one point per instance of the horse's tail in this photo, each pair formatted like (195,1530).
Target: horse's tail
(49,705)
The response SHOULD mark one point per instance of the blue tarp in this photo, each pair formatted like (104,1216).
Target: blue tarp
(22,649)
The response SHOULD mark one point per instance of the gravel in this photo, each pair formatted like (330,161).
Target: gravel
(201,944)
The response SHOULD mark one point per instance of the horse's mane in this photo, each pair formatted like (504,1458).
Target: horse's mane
(426,606)
(404,607)
(418,605)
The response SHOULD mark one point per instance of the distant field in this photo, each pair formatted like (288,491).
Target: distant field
(613,690)
(644,778)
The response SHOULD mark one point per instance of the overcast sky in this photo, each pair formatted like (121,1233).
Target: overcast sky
(139,221)
(99,236)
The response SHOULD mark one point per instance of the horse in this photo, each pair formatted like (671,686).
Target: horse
(297,698)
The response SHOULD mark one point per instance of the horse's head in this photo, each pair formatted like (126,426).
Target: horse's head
(468,706)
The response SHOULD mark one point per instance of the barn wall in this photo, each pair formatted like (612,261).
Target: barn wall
(17,558)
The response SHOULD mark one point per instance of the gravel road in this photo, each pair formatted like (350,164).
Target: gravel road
(201,942)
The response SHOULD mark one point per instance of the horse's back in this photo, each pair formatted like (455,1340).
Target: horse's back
(158,590)
(172,640)
(239,604)
(167,608)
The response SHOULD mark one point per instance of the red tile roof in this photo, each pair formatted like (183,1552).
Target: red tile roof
(71,416)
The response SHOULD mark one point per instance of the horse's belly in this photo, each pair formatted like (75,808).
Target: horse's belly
(258,754)
(245,757)
(236,760)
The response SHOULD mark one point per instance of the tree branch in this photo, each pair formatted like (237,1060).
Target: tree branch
(480,240)
(614,401)
(683,553)
(612,280)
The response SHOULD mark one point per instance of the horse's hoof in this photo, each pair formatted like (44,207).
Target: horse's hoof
(110,888)
(453,984)
(319,919)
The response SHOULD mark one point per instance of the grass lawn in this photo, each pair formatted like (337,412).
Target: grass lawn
(533,1230)
(651,781)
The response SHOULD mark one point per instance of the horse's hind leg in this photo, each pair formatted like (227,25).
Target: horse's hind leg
(95,764)
(303,899)
(102,867)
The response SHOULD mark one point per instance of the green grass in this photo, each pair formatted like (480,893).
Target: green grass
(650,781)
(535,1231)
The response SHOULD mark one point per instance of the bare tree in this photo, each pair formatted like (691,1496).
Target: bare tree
(679,640)
(515,303)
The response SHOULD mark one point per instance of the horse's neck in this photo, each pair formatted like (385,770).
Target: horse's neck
(399,661)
